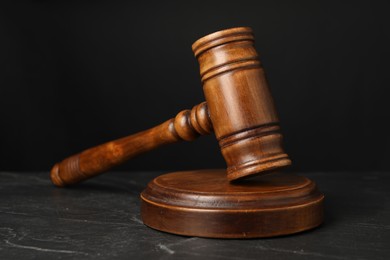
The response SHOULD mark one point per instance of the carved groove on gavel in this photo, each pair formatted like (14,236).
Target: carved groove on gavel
(239,109)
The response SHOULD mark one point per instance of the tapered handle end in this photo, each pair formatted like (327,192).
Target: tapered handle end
(68,172)
(55,176)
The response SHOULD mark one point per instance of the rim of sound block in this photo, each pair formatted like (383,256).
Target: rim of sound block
(203,203)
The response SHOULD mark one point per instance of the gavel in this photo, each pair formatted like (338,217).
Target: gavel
(239,109)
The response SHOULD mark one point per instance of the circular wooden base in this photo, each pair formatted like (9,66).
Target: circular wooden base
(203,203)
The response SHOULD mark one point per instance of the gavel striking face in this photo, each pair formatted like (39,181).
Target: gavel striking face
(239,108)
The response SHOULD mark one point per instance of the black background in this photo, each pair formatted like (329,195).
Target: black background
(76,74)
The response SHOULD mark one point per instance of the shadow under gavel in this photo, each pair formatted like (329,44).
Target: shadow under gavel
(239,109)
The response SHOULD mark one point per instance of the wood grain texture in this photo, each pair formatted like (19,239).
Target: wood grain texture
(204,203)
(240,110)
(240,103)
(187,125)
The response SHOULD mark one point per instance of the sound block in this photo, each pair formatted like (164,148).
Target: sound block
(203,203)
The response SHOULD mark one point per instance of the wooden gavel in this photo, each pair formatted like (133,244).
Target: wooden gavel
(239,109)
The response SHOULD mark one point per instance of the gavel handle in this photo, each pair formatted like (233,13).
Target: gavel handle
(187,125)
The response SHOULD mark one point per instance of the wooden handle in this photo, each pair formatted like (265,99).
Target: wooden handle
(187,125)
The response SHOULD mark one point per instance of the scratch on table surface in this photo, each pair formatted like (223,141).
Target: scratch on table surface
(372,225)
(11,234)
(182,241)
(95,221)
(14,213)
(300,252)
(166,249)
(135,219)
(43,249)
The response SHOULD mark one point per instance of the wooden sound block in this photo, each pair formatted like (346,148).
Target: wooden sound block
(203,203)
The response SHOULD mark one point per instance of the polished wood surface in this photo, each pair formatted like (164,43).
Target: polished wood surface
(240,103)
(239,108)
(204,203)
(187,125)
(241,112)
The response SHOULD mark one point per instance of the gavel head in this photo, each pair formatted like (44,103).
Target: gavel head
(240,104)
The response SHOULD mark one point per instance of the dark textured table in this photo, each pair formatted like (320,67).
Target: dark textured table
(100,219)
